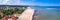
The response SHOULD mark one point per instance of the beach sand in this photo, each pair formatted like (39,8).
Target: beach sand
(27,14)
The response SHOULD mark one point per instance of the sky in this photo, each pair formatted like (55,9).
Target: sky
(31,2)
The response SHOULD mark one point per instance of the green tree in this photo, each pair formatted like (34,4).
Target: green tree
(11,11)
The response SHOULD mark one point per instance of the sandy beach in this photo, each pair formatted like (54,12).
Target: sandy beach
(27,14)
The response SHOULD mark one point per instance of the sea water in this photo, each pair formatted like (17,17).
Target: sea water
(47,13)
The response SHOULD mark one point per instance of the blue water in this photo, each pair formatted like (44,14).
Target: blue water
(48,13)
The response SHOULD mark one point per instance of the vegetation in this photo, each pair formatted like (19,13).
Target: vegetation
(11,11)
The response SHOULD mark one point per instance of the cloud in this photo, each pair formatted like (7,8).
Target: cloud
(25,2)
(2,2)
(15,2)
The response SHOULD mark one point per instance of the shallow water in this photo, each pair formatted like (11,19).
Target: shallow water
(47,14)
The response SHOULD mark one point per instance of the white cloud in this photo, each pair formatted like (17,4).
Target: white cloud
(15,2)
(2,2)
(19,2)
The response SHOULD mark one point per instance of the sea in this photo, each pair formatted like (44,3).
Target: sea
(46,12)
